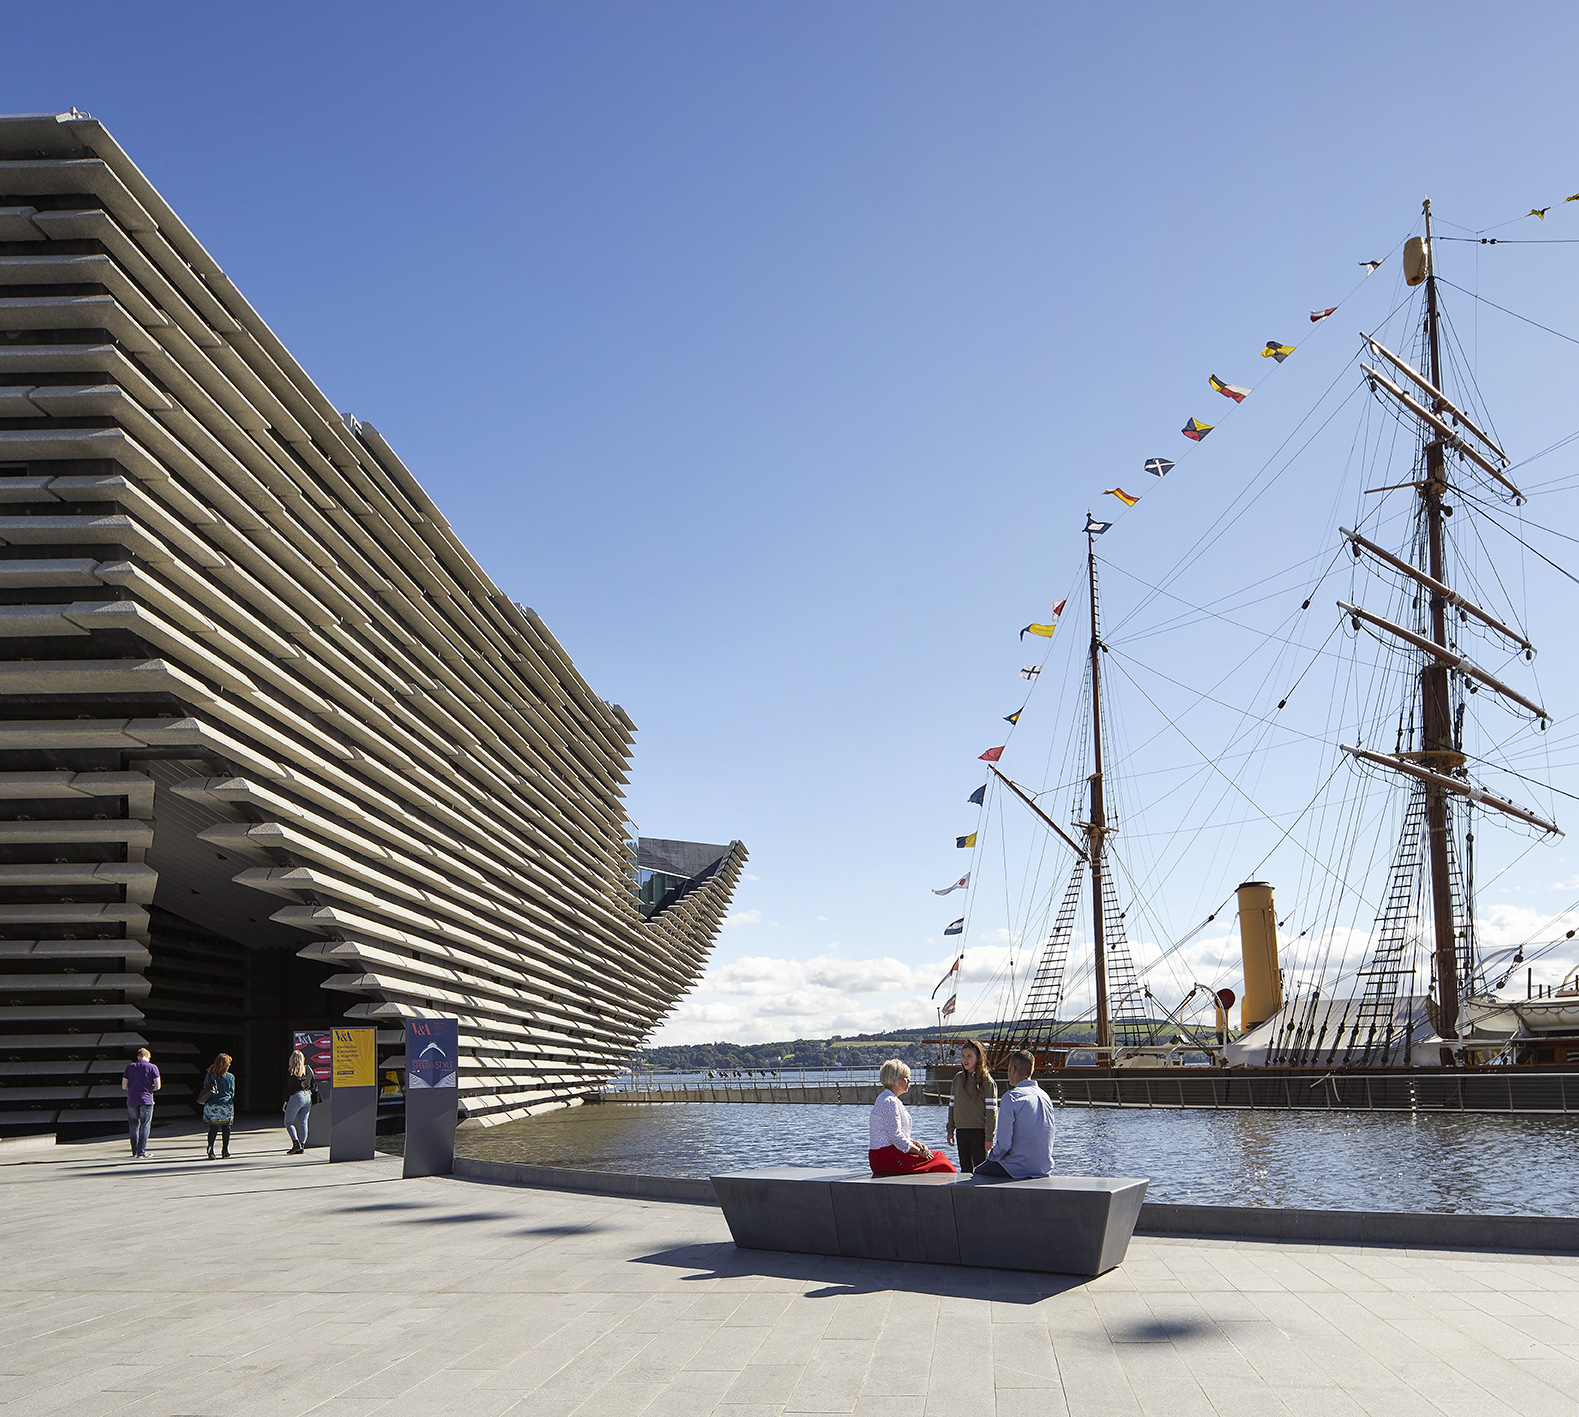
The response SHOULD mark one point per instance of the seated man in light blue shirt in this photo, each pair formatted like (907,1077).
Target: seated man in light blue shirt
(1023,1147)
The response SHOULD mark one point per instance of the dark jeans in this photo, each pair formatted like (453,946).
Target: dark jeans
(992,1169)
(215,1130)
(972,1143)
(138,1120)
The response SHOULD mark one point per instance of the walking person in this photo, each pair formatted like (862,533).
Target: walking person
(972,1108)
(891,1152)
(139,1082)
(218,1097)
(298,1101)
(1024,1146)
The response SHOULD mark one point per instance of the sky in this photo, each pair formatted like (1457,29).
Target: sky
(775,354)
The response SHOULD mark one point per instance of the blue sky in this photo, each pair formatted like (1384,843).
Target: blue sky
(774,354)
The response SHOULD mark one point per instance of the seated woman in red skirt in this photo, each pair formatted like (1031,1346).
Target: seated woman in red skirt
(891,1152)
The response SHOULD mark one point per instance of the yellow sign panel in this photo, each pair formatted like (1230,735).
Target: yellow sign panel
(353,1057)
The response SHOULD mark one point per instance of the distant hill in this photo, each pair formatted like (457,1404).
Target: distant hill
(909,1045)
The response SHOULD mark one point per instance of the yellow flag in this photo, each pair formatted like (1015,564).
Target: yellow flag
(965,840)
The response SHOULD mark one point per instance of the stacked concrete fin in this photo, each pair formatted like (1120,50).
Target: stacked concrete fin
(236,635)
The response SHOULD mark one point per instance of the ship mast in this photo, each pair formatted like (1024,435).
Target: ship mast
(1436,712)
(1096,828)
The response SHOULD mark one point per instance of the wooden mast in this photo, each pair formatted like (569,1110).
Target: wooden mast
(1435,686)
(1096,828)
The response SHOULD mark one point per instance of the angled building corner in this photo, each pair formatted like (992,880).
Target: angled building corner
(275,753)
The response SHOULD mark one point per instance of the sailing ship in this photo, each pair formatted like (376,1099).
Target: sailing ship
(1425,999)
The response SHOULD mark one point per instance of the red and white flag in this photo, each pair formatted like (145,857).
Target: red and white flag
(953,973)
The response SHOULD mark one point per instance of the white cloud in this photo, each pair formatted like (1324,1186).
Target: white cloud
(746,875)
(742,917)
(822,919)
(760,998)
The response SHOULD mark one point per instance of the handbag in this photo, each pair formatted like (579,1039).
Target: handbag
(206,1091)
(317,1096)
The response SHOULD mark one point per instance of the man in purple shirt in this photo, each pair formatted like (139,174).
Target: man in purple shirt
(139,1082)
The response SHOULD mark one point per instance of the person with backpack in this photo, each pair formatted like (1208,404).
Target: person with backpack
(299,1099)
(217,1097)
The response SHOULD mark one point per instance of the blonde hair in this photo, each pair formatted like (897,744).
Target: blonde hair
(297,1067)
(892,1071)
(220,1066)
(144,1053)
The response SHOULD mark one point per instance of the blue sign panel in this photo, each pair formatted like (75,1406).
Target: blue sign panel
(433,1053)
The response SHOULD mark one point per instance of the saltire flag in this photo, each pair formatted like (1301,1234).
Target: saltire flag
(957,928)
(1158,467)
(1228,391)
(1195,430)
(1371,266)
(1277,351)
(1096,528)
(1013,717)
(953,973)
(1316,316)
(1030,671)
(963,841)
(947,1011)
(1122,495)
(992,754)
(1538,211)
(976,797)
(958,885)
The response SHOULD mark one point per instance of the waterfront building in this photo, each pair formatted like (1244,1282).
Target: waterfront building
(275,752)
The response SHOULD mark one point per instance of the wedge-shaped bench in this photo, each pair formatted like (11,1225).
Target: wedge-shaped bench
(1056,1225)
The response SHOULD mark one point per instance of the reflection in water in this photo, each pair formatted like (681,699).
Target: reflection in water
(1337,1160)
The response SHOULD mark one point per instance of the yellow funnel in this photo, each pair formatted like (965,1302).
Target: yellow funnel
(1258,943)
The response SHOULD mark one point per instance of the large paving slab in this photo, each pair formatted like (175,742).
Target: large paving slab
(288,1286)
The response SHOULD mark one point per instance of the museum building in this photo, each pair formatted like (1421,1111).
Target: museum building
(275,752)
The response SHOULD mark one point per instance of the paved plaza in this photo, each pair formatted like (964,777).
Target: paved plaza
(286,1286)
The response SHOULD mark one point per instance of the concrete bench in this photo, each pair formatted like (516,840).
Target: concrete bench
(1056,1225)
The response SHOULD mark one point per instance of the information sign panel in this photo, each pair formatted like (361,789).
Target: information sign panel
(355,1115)
(432,1095)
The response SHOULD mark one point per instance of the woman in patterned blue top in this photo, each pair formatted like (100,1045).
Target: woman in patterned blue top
(218,1096)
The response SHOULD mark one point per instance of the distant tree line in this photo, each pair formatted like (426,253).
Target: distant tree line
(910,1045)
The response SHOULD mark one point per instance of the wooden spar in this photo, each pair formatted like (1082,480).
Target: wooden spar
(1437,397)
(1030,802)
(1453,784)
(1453,439)
(1445,656)
(1436,587)
(1096,830)
(1436,712)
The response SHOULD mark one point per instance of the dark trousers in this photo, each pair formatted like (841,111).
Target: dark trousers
(993,1169)
(215,1130)
(972,1144)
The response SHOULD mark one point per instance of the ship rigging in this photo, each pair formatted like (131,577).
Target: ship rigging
(1423,930)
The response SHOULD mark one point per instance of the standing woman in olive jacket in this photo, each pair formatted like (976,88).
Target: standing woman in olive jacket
(973,1108)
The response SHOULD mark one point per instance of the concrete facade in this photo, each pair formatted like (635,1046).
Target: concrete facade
(274,750)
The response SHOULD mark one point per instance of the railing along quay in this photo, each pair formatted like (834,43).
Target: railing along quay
(806,1086)
(1489,1090)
